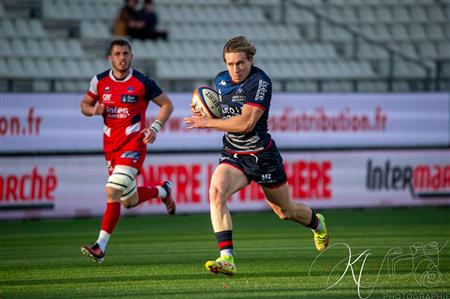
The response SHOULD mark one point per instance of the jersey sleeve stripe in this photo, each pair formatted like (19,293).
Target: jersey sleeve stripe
(256,105)
(92,95)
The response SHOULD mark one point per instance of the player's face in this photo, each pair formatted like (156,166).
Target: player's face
(238,66)
(120,58)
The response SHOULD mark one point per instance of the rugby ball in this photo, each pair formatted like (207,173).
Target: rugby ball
(206,101)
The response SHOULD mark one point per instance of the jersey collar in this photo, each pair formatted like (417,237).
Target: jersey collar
(124,79)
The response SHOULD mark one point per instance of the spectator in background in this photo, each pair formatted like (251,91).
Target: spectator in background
(128,21)
(142,24)
(150,17)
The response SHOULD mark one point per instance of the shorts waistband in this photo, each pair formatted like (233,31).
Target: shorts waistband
(269,145)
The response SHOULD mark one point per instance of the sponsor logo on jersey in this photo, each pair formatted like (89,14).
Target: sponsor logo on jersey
(107,89)
(117,112)
(223,83)
(238,98)
(131,155)
(129,99)
(229,111)
(262,89)
(106,97)
(130,88)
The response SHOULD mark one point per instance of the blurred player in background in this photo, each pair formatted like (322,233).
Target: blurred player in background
(249,153)
(121,95)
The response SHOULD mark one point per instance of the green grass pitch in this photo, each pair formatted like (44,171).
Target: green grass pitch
(163,257)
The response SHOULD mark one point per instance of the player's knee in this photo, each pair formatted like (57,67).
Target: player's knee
(216,195)
(112,194)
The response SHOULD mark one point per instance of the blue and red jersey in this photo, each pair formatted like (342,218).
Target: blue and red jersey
(256,90)
(125,103)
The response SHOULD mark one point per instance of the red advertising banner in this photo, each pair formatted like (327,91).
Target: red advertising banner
(34,187)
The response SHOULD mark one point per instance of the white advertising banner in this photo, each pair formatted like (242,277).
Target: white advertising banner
(35,187)
(53,122)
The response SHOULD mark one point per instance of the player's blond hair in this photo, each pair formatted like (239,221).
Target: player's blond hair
(239,44)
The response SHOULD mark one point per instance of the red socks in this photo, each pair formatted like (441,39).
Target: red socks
(111,216)
(112,212)
(146,193)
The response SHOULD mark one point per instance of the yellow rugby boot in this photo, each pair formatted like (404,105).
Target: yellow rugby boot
(321,238)
(224,265)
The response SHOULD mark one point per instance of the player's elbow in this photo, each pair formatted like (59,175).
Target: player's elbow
(84,109)
(166,105)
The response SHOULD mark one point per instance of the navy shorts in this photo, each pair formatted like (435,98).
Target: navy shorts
(264,168)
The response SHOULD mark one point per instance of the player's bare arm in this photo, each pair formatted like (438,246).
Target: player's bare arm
(90,106)
(166,109)
(166,106)
(242,123)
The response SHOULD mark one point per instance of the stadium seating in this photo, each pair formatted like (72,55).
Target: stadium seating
(77,10)
(314,45)
(21,28)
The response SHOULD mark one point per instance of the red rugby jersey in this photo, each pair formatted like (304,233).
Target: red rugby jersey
(125,103)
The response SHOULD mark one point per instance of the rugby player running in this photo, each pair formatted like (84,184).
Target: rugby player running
(121,95)
(249,153)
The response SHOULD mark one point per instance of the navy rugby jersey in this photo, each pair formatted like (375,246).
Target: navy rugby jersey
(255,90)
